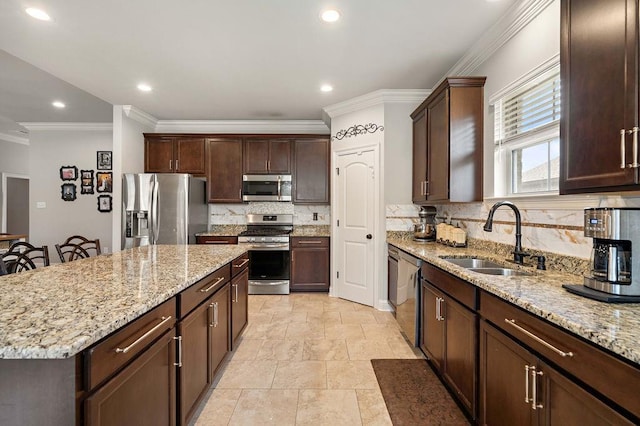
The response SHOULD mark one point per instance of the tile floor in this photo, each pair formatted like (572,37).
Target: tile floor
(304,360)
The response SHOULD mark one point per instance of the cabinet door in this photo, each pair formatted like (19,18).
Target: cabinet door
(158,155)
(190,156)
(311,160)
(224,170)
(280,156)
(460,352)
(392,281)
(438,148)
(194,375)
(419,157)
(566,403)
(599,93)
(256,156)
(239,304)
(504,380)
(432,325)
(144,393)
(219,306)
(310,264)
(215,239)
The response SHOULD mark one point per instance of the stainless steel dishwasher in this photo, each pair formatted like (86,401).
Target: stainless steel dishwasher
(404,291)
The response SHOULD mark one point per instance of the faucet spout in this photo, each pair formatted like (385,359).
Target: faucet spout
(518,254)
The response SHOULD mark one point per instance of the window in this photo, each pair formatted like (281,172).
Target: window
(526,134)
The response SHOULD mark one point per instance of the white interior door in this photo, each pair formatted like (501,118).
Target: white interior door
(355,183)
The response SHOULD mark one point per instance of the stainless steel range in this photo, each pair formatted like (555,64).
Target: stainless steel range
(269,266)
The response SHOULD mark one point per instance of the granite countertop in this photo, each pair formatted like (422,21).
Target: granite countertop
(311,231)
(615,327)
(223,231)
(57,311)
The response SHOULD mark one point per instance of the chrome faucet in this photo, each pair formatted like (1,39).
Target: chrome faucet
(518,254)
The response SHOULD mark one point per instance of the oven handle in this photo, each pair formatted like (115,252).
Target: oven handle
(264,283)
(267,247)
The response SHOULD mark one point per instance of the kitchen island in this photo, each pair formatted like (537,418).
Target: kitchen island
(52,316)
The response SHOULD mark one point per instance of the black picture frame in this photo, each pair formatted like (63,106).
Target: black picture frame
(105,203)
(86,181)
(104,182)
(68,173)
(104,160)
(68,191)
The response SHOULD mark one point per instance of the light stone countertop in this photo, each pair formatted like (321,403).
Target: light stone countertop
(615,327)
(311,231)
(57,311)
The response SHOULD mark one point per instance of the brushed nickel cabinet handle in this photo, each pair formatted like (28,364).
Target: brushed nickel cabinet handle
(623,154)
(526,385)
(170,163)
(563,354)
(215,314)
(144,336)
(635,163)
(211,312)
(310,242)
(179,363)
(216,242)
(177,165)
(244,262)
(235,286)
(206,290)
(534,390)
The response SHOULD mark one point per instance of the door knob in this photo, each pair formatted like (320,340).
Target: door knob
(369,236)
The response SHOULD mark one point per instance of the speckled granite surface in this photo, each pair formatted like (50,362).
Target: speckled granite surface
(223,230)
(615,327)
(57,311)
(311,231)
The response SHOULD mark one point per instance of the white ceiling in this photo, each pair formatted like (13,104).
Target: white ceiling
(224,60)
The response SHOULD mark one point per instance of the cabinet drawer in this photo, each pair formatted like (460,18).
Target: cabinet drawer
(216,240)
(464,292)
(309,242)
(239,264)
(116,350)
(197,293)
(586,362)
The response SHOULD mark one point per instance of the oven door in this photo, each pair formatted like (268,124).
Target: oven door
(269,270)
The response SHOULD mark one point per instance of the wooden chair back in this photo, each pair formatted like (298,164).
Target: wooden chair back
(78,247)
(23,256)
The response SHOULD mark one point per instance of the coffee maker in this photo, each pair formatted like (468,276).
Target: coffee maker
(614,274)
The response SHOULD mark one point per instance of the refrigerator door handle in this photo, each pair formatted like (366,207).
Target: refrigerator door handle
(155,229)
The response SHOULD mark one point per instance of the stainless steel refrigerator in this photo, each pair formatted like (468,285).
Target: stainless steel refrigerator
(162,208)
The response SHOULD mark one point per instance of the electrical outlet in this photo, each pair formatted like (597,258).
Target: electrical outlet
(41,205)
(105,250)
(315,216)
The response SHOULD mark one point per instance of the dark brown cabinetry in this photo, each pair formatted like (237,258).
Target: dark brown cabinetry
(311,164)
(224,165)
(267,156)
(599,73)
(309,264)
(239,296)
(447,142)
(174,154)
(216,239)
(449,332)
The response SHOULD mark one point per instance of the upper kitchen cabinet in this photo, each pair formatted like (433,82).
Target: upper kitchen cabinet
(599,74)
(174,154)
(311,159)
(267,156)
(224,161)
(447,143)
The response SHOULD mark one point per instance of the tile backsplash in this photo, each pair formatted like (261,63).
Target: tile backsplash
(235,214)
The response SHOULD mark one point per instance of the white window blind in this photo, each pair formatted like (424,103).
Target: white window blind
(529,108)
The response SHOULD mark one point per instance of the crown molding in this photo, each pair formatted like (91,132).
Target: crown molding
(242,126)
(516,18)
(379,97)
(15,139)
(81,127)
(140,116)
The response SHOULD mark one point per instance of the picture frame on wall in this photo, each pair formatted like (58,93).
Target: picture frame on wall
(104,160)
(68,191)
(68,173)
(86,180)
(105,203)
(104,182)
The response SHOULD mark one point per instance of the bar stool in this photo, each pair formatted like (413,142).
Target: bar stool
(3,268)
(23,256)
(78,247)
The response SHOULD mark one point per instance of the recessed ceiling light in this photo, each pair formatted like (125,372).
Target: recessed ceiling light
(143,87)
(330,15)
(38,14)
(58,104)
(326,88)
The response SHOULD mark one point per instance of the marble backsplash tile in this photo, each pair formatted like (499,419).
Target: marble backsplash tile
(235,214)
(401,217)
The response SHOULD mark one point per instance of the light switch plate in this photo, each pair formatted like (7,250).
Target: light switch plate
(41,205)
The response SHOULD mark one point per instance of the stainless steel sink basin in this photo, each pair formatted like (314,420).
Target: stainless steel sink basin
(467,262)
(507,272)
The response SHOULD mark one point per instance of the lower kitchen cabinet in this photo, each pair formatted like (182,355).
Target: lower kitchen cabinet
(143,393)
(219,346)
(239,304)
(309,264)
(518,388)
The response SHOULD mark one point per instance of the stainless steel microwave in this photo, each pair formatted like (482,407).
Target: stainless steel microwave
(266,187)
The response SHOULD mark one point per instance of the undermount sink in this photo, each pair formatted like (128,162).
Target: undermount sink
(471,262)
(507,272)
